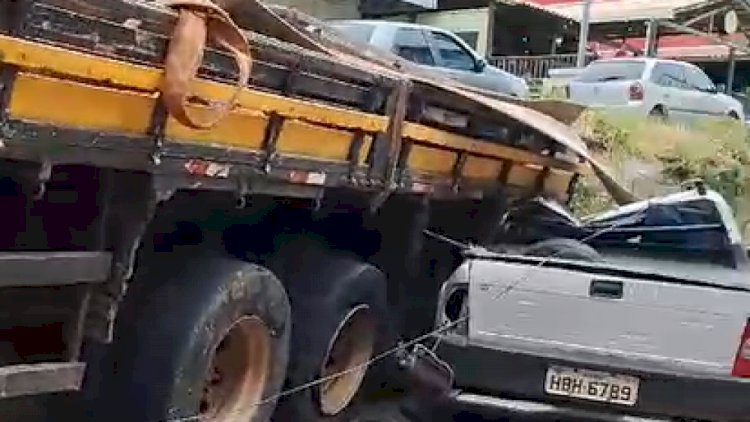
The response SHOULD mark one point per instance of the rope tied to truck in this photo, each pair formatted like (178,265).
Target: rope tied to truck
(197,22)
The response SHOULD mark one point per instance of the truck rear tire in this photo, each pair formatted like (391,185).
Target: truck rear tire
(212,339)
(563,249)
(338,312)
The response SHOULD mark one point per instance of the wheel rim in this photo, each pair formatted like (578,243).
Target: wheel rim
(238,371)
(351,347)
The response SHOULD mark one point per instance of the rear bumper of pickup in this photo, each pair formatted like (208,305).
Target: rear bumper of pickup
(520,378)
(538,412)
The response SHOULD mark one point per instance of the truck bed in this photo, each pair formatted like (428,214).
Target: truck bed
(80,84)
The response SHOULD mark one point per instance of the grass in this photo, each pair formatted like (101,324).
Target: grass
(715,151)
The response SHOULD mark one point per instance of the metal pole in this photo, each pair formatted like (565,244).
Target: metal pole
(652,38)
(730,73)
(491,20)
(583,37)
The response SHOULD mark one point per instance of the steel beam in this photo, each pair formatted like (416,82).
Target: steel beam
(39,269)
(702,16)
(40,378)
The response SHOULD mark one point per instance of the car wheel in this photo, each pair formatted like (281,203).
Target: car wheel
(658,113)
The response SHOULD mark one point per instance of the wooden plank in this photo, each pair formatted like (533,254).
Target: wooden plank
(105,38)
(99,109)
(49,59)
(53,268)
(431,136)
(314,86)
(40,378)
(132,110)
(158,20)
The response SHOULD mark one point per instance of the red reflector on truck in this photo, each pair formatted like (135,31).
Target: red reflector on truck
(742,360)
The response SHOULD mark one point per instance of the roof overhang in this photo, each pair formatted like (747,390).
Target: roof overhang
(627,10)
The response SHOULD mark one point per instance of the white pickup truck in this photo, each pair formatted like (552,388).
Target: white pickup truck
(650,318)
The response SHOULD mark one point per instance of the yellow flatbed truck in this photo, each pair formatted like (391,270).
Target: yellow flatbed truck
(166,271)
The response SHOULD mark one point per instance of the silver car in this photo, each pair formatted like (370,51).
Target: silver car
(436,49)
(652,87)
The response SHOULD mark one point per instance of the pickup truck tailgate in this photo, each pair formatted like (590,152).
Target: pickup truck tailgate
(624,319)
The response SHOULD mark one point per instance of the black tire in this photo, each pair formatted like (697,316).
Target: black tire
(326,287)
(733,115)
(163,353)
(563,249)
(658,113)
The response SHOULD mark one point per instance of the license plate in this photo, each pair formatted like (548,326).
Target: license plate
(592,385)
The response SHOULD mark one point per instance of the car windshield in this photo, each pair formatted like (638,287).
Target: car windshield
(619,70)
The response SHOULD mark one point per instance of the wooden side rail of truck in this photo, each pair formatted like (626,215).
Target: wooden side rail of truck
(167,272)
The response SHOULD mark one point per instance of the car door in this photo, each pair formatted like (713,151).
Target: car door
(411,44)
(706,100)
(671,90)
(456,61)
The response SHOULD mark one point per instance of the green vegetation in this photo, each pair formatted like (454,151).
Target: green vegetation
(717,152)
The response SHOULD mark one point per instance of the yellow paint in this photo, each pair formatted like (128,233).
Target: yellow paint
(77,105)
(434,136)
(49,59)
(241,128)
(305,140)
(525,176)
(431,160)
(557,181)
(365,151)
(482,168)
(58,101)
(71,104)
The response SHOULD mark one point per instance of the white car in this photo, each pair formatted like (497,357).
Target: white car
(652,87)
(435,49)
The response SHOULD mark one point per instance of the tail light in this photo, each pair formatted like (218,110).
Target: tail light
(742,360)
(636,92)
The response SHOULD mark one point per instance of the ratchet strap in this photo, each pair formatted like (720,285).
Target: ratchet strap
(197,21)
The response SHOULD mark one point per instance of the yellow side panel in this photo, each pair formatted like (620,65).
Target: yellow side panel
(241,128)
(482,168)
(75,105)
(431,160)
(39,57)
(525,176)
(306,140)
(557,181)
(364,152)
(434,136)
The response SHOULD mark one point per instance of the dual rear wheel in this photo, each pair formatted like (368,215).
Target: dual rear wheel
(213,338)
